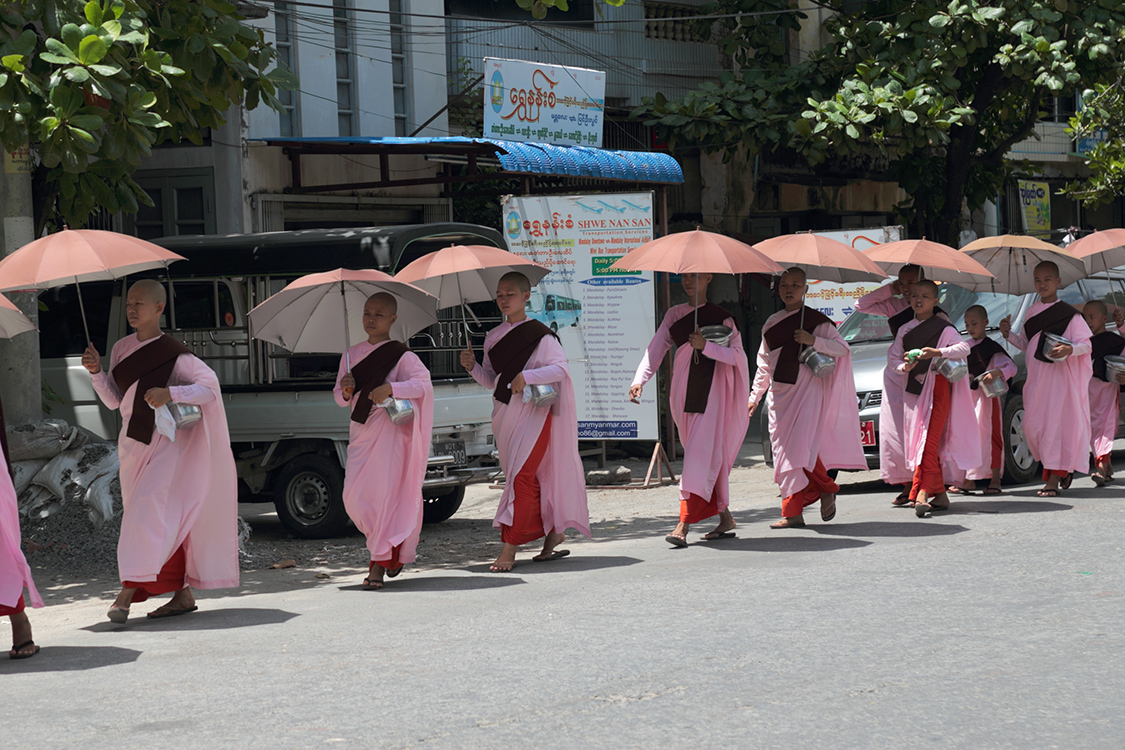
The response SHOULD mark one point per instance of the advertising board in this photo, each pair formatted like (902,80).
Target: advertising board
(527,101)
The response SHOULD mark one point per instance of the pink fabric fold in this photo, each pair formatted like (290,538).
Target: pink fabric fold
(1056,398)
(712,439)
(982,408)
(814,417)
(517,426)
(15,574)
(892,459)
(387,462)
(176,493)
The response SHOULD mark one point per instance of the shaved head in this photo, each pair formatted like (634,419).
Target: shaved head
(798,272)
(1048,265)
(387,300)
(153,289)
(516,279)
(979,311)
(927,285)
(1097,306)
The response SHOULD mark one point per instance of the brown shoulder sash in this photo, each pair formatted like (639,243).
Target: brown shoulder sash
(1054,320)
(509,356)
(899,319)
(149,367)
(980,355)
(926,334)
(1105,344)
(370,373)
(701,372)
(781,335)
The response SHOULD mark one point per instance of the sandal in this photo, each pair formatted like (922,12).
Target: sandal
(1064,483)
(954,490)
(785,523)
(15,652)
(1099,479)
(370,584)
(1047,493)
(901,500)
(991,491)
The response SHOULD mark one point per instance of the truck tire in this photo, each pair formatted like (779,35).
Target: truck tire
(309,497)
(438,507)
(1019,465)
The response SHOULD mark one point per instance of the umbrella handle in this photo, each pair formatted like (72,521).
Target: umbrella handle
(347,332)
(82,309)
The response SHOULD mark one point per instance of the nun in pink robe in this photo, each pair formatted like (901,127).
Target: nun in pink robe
(1105,412)
(1056,398)
(984,408)
(814,418)
(176,493)
(15,574)
(712,439)
(959,449)
(387,462)
(517,427)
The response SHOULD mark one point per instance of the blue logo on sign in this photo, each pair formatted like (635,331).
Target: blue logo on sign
(513,225)
(496,91)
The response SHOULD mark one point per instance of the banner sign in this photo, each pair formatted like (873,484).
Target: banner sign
(1035,197)
(526,101)
(837,301)
(604,318)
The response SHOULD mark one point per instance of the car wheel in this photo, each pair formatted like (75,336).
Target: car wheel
(554,327)
(438,507)
(309,497)
(1019,465)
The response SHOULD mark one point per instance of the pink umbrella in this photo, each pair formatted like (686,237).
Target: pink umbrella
(936,260)
(74,256)
(12,321)
(821,257)
(1106,246)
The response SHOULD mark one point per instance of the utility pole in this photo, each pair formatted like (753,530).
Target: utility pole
(19,357)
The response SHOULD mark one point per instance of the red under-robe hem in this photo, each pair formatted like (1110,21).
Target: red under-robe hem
(9,611)
(170,578)
(819,483)
(527,517)
(391,563)
(927,475)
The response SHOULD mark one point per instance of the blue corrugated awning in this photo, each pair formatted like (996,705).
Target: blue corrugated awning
(514,156)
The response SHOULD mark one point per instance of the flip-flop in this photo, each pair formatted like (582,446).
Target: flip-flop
(371,585)
(826,517)
(1099,479)
(922,509)
(118,615)
(676,541)
(785,523)
(156,614)
(991,491)
(493,568)
(557,554)
(1047,493)
(1064,483)
(959,491)
(711,536)
(901,500)
(14,653)
(394,573)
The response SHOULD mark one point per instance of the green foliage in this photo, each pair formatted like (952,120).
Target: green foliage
(941,90)
(1102,121)
(539,8)
(93,87)
(49,396)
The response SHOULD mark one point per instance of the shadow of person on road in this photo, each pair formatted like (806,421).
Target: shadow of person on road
(917,528)
(788,542)
(1016,505)
(219,618)
(71,659)
(422,583)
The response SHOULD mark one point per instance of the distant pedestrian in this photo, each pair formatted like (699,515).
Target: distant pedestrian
(1105,391)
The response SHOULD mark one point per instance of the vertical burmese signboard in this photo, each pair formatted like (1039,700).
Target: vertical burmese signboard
(531,102)
(604,318)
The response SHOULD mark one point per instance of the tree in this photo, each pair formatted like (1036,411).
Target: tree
(91,87)
(942,90)
(1101,124)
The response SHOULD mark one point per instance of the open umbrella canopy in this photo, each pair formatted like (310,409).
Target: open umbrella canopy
(697,252)
(77,256)
(1100,251)
(461,274)
(12,321)
(323,312)
(821,257)
(1012,258)
(937,261)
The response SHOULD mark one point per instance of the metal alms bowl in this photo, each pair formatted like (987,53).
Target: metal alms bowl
(184,415)
(400,411)
(1052,341)
(1114,366)
(820,363)
(720,335)
(996,388)
(951,369)
(543,395)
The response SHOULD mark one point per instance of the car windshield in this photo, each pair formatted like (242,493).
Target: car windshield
(860,327)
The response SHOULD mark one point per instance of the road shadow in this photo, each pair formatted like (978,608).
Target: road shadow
(204,619)
(576,562)
(871,487)
(416,584)
(918,528)
(70,659)
(788,543)
(1015,504)
(647,527)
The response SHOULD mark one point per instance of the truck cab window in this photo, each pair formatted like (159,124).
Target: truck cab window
(60,319)
(195,305)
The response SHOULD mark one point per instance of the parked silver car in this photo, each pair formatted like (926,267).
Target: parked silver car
(870,337)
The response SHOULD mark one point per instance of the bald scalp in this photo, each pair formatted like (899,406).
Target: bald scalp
(912,269)
(926,284)
(1048,265)
(152,289)
(798,272)
(1100,307)
(516,279)
(386,299)
(979,311)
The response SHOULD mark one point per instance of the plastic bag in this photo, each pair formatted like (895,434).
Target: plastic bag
(44,439)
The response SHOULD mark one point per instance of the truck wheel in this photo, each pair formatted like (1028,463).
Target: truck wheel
(1019,465)
(554,327)
(437,508)
(309,497)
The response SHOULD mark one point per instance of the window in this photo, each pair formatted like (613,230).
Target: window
(398,65)
(183,203)
(345,78)
(286,56)
(61,332)
(581,13)
(201,305)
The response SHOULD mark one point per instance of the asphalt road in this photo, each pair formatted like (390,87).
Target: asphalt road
(995,625)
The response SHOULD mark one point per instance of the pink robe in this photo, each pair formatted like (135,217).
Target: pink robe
(387,462)
(712,439)
(1105,409)
(959,449)
(517,427)
(982,407)
(893,467)
(814,417)
(176,493)
(15,574)
(1056,398)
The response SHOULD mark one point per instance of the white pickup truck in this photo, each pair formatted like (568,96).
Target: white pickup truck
(289,436)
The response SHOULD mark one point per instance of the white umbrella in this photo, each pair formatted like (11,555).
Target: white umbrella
(1012,258)
(315,312)
(12,321)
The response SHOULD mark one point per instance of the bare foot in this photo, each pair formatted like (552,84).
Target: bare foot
(726,525)
(789,522)
(506,560)
(553,540)
(374,580)
(182,603)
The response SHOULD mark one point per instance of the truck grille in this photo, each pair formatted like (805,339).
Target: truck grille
(872,398)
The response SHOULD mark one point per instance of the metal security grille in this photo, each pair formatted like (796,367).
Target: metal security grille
(286,55)
(345,68)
